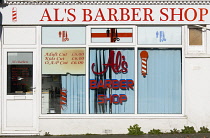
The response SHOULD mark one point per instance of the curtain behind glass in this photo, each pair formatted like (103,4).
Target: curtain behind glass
(75,94)
(99,57)
(160,91)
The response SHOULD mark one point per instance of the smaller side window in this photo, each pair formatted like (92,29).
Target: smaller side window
(195,36)
(196,39)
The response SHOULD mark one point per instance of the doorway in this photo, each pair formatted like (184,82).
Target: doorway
(19,98)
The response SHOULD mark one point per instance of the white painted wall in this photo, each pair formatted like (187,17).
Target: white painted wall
(105,126)
(197,91)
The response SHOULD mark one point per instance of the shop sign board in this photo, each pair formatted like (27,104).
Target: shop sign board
(105,14)
(63,61)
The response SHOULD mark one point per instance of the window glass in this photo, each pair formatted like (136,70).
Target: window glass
(19,73)
(63,80)
(159,81)
(195,36)
(63,35)
(158,35)
(111,81)
(111,35)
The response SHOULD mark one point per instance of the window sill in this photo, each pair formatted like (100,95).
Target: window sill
(113,116)
(197,55)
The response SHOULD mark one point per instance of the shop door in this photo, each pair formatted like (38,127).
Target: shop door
(19,104)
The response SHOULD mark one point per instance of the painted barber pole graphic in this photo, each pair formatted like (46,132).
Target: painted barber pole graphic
(63,99)
(144,56)
(14,14)
(111,35)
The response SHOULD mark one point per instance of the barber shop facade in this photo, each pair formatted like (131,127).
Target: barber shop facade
(98,67)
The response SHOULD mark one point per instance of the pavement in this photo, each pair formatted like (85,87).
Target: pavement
(198,135)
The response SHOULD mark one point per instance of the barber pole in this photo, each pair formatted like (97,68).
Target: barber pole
(144,56)
(14,14)
(63,99)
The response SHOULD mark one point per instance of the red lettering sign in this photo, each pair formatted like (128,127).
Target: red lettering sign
(181,14)
(121,14)
(118,65)
(116,99)
(113,84)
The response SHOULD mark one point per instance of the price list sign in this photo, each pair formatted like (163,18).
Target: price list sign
(63,60)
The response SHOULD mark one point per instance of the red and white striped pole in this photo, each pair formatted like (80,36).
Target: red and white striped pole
(144,56)
(14,14)
(63,98)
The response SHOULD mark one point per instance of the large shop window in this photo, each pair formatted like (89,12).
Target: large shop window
(111,81)
(159,81)
(63,81)
(112,71)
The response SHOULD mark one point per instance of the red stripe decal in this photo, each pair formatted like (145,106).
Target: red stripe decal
(105,35)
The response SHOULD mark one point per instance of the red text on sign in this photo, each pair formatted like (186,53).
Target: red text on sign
(117,65)
(53,15)
(116,99)
(121,14)
(113,84)
(183,14)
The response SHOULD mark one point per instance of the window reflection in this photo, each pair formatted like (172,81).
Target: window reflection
(19,73)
